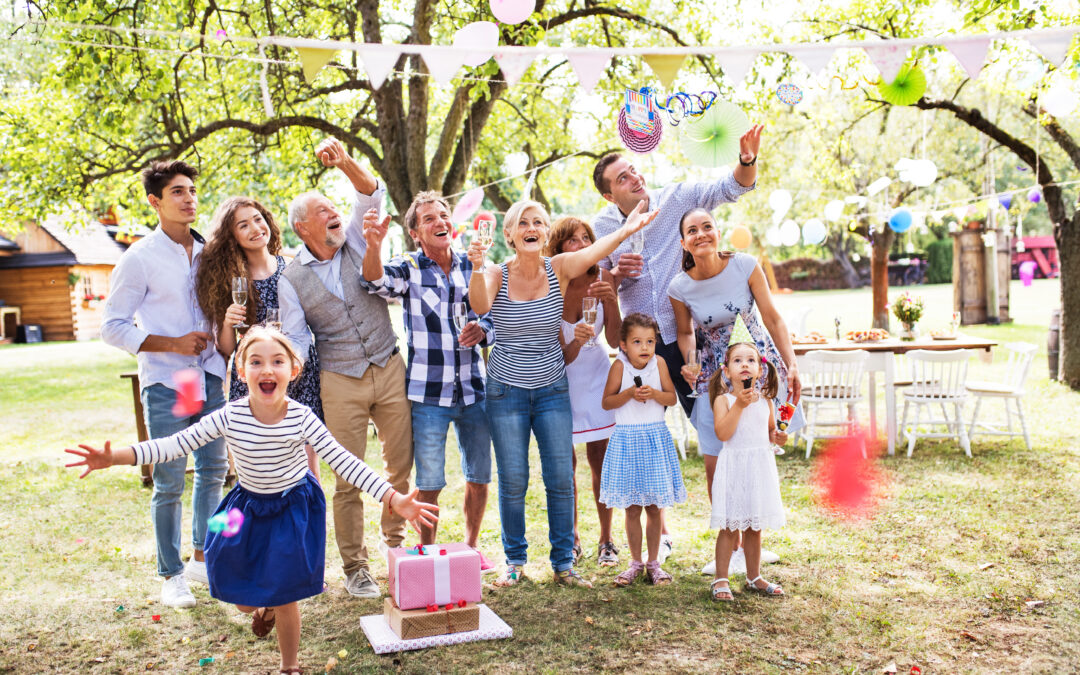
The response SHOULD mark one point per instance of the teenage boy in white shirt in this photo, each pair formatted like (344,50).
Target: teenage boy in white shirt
(152,313)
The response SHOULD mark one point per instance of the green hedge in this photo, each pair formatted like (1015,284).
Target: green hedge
(939,261)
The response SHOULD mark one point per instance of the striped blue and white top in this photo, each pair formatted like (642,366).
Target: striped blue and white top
(269,458)
(527,353)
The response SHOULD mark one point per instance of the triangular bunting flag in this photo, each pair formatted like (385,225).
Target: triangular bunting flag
(313,59)
(971,53)
(816,59)
(379,61)
(665,66)
(888,58)
(513,66)
(737,64)
(589,66)
(739,332)
(1053,45)
(443,62)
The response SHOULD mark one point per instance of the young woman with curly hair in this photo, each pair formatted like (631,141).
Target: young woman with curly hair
(245,241)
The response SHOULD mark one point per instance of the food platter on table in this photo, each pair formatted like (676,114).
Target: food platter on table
(869,335)
(942,335)
(811,338)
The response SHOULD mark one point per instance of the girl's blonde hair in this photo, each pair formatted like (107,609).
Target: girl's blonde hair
(257,333)
(563,229)
(514,213)
(718,385)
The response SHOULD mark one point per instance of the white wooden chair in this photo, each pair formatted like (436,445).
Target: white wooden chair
(832,378)
(1011,388)
(938,378)
(682,432)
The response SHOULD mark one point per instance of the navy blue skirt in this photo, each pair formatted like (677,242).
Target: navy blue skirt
(279,554)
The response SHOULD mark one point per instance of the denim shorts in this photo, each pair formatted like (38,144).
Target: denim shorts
(429,427)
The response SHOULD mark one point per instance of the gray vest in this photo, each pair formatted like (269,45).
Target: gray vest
(350,334)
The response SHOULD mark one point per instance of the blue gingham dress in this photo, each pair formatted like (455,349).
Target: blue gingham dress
(641,467)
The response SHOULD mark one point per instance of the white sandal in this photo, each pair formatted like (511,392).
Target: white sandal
(718,593)
(770,590)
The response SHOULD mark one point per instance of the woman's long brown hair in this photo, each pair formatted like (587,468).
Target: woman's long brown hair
(222,259)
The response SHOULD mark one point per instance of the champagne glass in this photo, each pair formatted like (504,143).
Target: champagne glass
(240,295)
(273,318)
(460,314)
(693,362)
(588,315)
(637,242)
(484,230)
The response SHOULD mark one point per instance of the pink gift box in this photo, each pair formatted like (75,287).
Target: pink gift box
(444,574)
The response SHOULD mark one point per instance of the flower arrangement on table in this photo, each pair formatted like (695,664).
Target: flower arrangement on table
(908,309)
(90,300)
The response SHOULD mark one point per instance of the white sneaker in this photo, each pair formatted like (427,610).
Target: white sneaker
(768,557)
(175,593)
(195,571)
(710,568)
(738,563)
(665,548)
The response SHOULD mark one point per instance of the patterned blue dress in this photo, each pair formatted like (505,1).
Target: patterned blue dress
(305,388)
(713,304)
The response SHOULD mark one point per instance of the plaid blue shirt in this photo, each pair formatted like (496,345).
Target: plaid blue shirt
(438,372)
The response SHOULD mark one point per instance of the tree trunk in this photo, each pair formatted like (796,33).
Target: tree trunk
(837,247)
(879,276)
(1067,238)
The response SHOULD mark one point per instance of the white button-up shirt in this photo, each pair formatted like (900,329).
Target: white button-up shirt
(152,292)
(293,322)
(647,293)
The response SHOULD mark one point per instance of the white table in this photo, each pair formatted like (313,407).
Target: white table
(882,356)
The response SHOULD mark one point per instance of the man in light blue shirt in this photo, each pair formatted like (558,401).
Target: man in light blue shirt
(152,313)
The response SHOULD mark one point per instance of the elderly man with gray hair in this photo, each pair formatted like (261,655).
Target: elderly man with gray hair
(363,375)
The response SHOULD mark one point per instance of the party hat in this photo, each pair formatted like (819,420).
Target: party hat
(739,333)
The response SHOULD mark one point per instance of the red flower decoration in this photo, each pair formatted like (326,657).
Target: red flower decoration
(461,603)
(432,608)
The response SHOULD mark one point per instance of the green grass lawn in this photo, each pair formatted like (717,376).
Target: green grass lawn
(946,575)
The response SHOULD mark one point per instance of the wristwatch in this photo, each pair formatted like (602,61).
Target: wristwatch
(752,162)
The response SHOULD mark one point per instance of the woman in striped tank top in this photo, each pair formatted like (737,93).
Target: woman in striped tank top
(527,391)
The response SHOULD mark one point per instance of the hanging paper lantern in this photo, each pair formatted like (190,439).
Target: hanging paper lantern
(1005,199)
(834,210)
(1059,101)
(713,139)
(790,233)
(813,232)
(878,185)
(740,237)
(900,220)
(772,236)
(906,89)
(779,202)
(1034,195)
(789,93)
(512,11)
(481,35)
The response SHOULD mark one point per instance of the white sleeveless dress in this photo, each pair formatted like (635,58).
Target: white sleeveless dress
(641,466)
(588,375)
(746,487)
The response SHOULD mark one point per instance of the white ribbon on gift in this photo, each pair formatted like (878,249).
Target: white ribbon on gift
(441,571)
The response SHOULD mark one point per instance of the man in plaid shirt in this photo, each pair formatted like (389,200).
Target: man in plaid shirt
(445,383)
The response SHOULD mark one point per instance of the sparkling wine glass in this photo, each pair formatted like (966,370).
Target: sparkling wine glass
(693,362)
(240,295)
(273,318)
(484,230)
(460,313)
(588,315)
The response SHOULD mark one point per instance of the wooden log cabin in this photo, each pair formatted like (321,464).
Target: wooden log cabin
(59,279)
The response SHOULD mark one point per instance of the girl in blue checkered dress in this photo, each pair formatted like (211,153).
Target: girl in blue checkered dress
(641,469)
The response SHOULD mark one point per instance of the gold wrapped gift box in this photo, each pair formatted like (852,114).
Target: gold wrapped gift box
(417,623)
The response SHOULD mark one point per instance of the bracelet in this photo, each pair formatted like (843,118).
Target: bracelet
(389,503)
(752,162)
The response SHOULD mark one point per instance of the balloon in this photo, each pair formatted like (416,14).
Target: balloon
(467,205)
(923,173)
(1027,272)
(900,220)
(1034,195)
(813,231)
(834,210)
(740,237)
(189,392)
(780,202)
(1005,199)
(1058,101)
(480,35)
(790,233)
(878,185)
(772,236)
(512,11)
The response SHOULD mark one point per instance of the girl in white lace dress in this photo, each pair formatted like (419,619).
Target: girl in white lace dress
(746,488)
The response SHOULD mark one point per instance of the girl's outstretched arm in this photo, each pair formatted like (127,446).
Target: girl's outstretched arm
(418,513)
(94,459)
(573,264)
(667,397)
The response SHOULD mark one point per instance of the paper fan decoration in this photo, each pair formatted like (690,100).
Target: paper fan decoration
(906,89)
(636,141)
(468,204)
(789,93)
(713,139)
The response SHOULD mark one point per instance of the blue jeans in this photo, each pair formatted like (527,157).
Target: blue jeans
(429,426)
(514,412)
(211,463)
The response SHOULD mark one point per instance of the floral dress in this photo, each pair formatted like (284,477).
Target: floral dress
(305,388)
